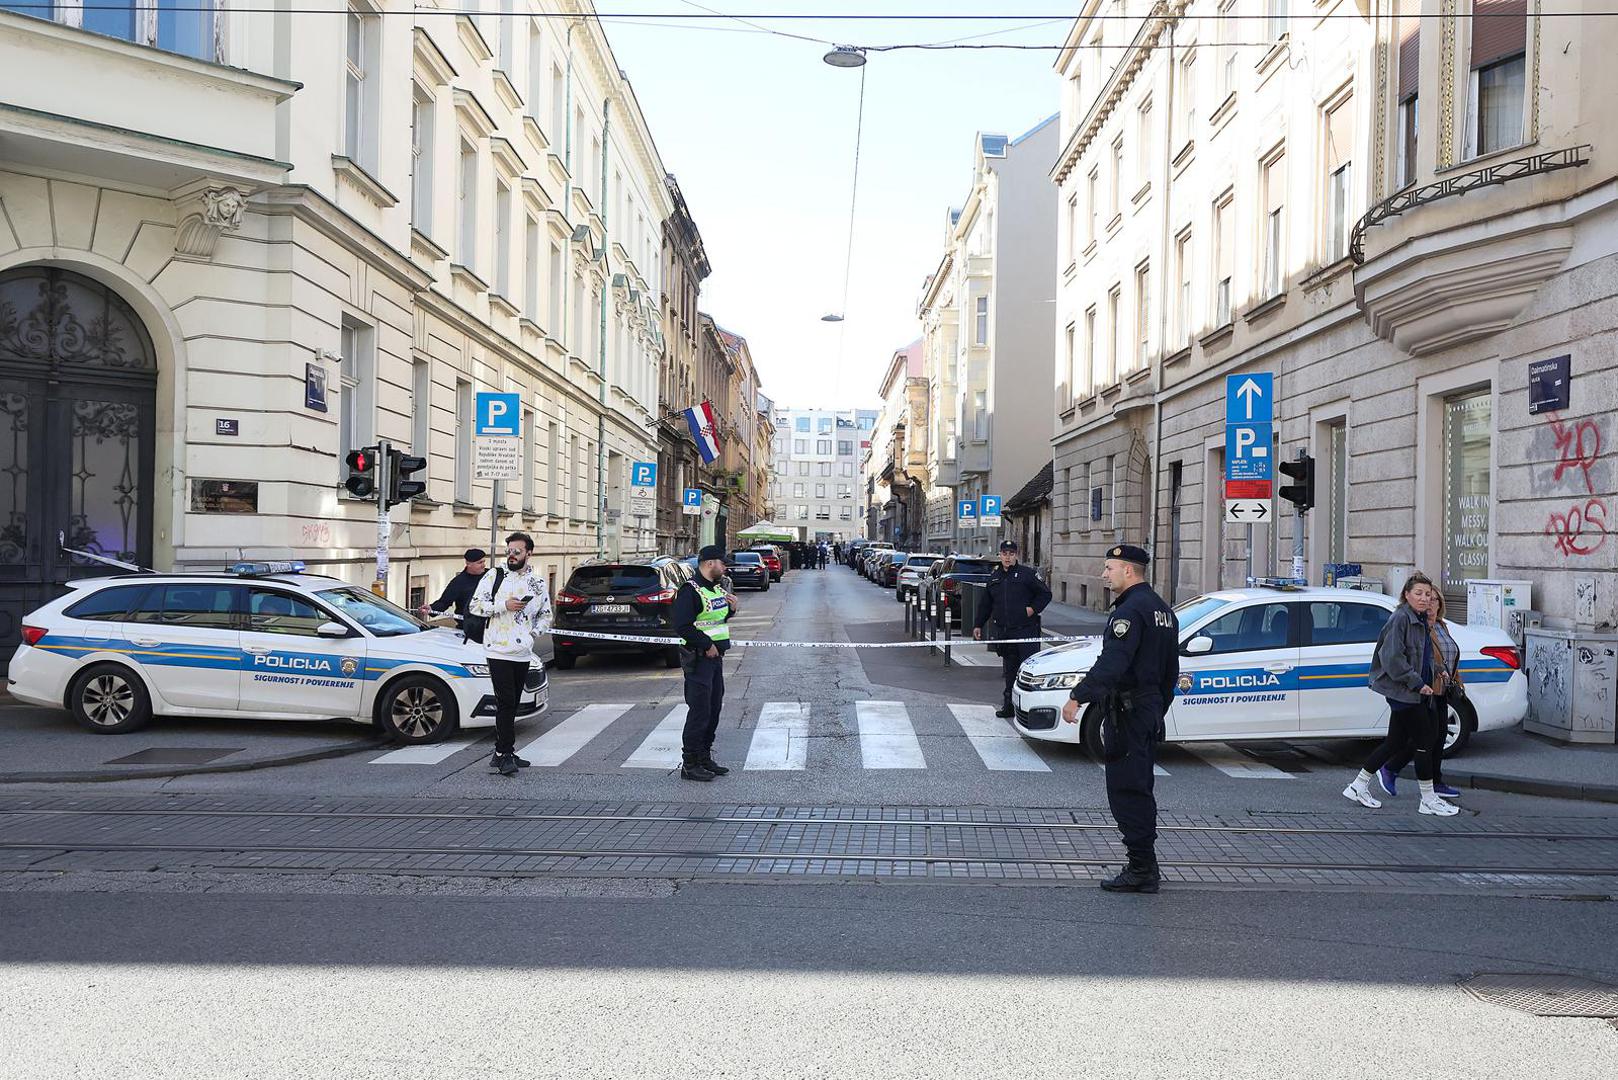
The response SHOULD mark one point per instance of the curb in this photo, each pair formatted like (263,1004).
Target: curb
(99,777)
(1520,785)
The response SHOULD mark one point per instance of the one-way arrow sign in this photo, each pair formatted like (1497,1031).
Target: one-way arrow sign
(1246,511)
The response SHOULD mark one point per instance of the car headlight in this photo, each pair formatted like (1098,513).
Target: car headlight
(1065,681)
(480,670)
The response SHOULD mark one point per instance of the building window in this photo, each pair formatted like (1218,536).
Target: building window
(820,491)
(824,469)
(823,447)
(1275,19)
(1224,257)
(1337,511)
(1090,372)
(536,72)
(800,446)
(1071,355)
(1109,374)
(845,448)
(553,469)
(803,468)
(846,513)
(1407,93)
(1339,179)
(824,425)
(1468,422)
(1143,314)
(466,196)
(421,413)
(422,121)
(800,510)
(502,239)
(1275,193)
(1228,49)
(463,441)
(506,53)
(1499,47)
(848,469)
(1072,227)
(1092,185)
(799,490)
(1143,142)
(359,106)
(558,106)
(822,512)
(1185,99)
(356,405)
(980,333)
(802,424)
(980,415)
(555,314)
(1115,178)
(530,267)
(1182,288)
(529,480)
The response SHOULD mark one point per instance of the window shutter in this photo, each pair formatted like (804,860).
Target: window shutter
(1409,57)
(1499,30)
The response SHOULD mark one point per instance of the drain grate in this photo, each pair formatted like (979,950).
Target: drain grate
(1546,995)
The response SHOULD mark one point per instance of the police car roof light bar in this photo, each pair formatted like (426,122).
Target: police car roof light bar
(1283,584)
(261,569)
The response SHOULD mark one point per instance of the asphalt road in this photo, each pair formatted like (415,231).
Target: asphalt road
(123,976)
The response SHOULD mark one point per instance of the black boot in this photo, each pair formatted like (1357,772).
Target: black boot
(692,768)
(1141,875)
(1005,711)
(713,766)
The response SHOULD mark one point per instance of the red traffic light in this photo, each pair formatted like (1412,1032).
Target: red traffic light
(361,461)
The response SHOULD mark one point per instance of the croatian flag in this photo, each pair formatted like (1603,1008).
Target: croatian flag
(704,430)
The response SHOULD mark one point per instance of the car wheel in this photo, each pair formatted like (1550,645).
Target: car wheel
(671,657)
(417,709)
(563,660)
(109,699)
(1090,733)
(1460,723)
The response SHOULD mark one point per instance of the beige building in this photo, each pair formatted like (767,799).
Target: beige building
(897,469)
(238,245)
(1294,207)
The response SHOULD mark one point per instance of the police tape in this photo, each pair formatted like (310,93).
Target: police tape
(755,644)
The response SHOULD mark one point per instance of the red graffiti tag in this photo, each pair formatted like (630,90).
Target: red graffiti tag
(1578,444)
(1581,530)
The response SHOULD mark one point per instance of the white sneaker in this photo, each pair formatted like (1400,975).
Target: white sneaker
(1360,792)
(1432,804)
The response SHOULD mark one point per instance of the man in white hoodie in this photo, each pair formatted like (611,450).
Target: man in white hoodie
(517,604)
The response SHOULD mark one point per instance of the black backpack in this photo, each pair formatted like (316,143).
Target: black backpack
(473,626)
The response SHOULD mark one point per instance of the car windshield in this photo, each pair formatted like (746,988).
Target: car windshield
(922,560)
(1194,609)
(745,558)
(372,612)
(971,566)
(607,580)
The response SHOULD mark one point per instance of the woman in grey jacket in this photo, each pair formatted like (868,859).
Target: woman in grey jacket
(1411,668)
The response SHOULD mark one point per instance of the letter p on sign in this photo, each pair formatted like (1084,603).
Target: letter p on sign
(497,414)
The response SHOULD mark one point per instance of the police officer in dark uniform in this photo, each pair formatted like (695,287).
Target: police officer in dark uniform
(1133,682)
(1016,597)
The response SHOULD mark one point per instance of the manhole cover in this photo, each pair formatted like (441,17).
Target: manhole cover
(1547,995)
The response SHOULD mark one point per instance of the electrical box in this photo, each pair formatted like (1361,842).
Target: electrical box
(1490,602)
(1570,679)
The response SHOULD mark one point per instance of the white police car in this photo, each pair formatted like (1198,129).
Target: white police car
(1267,663)
(253,643)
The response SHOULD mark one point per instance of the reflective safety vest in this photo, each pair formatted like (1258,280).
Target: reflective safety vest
(715,609)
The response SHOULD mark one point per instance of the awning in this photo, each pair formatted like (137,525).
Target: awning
(768,530)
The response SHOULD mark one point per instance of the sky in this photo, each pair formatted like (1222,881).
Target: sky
(760,133)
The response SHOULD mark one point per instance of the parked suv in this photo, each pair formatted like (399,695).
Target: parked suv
(618,598)
(944,586)
(772,560)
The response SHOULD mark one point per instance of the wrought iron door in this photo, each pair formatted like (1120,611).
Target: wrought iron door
(77,419)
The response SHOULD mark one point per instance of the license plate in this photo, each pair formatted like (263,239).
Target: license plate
(611,609)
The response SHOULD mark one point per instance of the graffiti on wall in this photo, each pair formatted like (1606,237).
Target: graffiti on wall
(1578,529)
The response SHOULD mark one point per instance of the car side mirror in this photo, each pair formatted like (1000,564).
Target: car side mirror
(332,630)
(1198,645)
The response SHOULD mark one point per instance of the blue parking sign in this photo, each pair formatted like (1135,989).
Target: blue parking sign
(966,513)
(643,474)
(497,414)
(692,497)
(989,510)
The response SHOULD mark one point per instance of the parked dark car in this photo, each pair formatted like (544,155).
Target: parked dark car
(618,598)
(772,561)
(948,576)
(747,569)
(887,569)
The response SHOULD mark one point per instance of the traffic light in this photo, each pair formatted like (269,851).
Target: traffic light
(400,487)
(1302,493)
(362,465)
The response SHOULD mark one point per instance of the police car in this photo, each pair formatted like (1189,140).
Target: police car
(263,641)
(1278,663)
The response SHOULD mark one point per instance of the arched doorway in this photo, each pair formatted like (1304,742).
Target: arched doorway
(78,378)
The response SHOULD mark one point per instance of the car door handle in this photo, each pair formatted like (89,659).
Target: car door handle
(146,642)
(1278,669)
(256,650)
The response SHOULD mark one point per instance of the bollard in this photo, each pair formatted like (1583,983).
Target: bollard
(947,636)
(908,630)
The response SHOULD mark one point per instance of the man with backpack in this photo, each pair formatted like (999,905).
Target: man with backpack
(511,605)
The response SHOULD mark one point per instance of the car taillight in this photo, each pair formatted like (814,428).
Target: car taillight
(949,585)
(31,635)
(571,599)
(1506,654)
(662,596)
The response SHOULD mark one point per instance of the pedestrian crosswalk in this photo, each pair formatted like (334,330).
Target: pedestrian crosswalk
(795,736)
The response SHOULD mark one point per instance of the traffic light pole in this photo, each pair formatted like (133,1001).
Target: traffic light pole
(384,466)
(1297,546)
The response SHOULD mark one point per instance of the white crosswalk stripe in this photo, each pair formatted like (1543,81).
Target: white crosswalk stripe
(781,739)
(1001,748)
(1234,763)
(662,747)
(570,736)
(887,741)
(425,755)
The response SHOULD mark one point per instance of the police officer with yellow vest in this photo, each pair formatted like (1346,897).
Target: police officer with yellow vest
(702,609)
(1133,683)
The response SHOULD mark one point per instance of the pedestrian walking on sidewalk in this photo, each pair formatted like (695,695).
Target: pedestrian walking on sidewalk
(1132,682)
(702,611)
(1388,775)
(515,604)
(1015,597)
(1411,669)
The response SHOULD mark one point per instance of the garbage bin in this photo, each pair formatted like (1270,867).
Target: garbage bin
(972,595)
(1570,676)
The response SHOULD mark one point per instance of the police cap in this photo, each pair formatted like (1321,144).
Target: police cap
(712,551)
(1129,553)
(1008,545)
(475,555)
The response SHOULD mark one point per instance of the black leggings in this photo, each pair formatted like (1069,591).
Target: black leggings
(1412,735)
